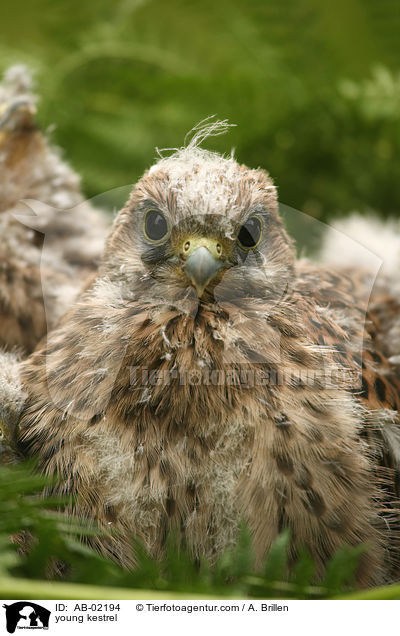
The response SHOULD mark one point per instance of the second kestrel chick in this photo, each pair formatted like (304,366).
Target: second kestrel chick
(30,168)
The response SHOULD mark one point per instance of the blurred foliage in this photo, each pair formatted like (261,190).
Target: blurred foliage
(51,549)
(314,88)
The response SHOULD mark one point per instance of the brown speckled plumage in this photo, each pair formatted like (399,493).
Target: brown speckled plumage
(298,426)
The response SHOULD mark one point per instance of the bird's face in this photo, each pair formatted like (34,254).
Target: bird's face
(202,227)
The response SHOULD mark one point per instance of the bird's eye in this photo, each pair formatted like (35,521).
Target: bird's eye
(250,233)
(155,226)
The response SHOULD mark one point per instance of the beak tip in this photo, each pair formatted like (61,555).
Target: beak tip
(201,267)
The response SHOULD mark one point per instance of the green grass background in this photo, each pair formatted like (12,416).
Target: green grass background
(314,88)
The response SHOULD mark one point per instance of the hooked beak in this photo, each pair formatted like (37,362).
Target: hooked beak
(201,259)
(201,267)
(16,115)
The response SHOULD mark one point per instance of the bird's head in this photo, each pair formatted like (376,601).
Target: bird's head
(203,227)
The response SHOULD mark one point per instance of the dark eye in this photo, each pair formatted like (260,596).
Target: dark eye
(155,226)
(250,233)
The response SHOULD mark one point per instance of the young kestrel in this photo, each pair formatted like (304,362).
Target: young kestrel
(206,376)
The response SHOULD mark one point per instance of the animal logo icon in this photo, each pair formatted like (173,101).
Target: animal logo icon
(26,615)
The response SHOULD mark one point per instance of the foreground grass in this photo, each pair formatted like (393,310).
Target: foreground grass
(12,588)
(87,575)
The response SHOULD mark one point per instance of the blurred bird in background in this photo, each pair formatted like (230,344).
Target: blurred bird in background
(31,169)
(206,376)
(75,232)
(381,239)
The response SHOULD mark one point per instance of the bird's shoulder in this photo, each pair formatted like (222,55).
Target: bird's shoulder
(368,316)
